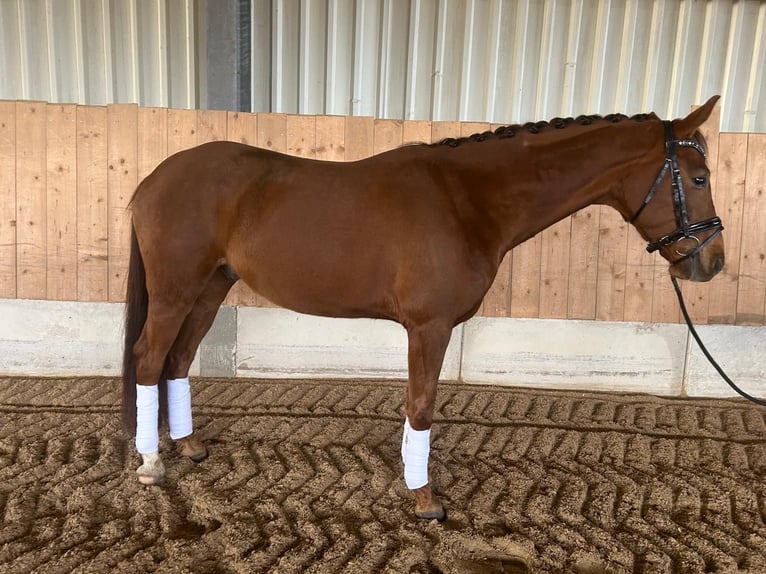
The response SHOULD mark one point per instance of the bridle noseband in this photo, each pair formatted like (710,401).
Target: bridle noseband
(685,230)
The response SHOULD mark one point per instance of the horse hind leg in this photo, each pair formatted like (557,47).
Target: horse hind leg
(180,358)
(163,323)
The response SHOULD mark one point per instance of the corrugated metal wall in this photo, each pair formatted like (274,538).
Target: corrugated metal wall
(474,60)
(99,51)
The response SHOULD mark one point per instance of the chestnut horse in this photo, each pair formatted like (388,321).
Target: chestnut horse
(414,235)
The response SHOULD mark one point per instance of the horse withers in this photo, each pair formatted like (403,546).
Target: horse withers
(414,235)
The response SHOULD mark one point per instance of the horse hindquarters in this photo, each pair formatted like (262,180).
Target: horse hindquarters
(166,318)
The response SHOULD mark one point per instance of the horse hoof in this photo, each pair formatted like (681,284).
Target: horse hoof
(192,447)
(152,471)
(199,457)
(427,506)
(149,480)
(438,514)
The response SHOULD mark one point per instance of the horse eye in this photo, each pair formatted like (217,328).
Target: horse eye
(699,181)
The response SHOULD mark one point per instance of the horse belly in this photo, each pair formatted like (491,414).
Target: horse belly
(328,282)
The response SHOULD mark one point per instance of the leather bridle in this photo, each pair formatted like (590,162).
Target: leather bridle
(684,229)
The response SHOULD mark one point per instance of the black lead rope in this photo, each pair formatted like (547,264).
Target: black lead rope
(704,350)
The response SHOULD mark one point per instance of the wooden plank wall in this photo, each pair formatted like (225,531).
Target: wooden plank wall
(67,173)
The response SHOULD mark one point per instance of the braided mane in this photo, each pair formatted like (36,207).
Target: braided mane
(504,132)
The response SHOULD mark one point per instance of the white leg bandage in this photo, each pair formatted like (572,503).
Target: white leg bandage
(179,408)
(415,448)
(147,411)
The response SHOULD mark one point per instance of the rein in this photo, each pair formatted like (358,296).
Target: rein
(704,350)
(685,230)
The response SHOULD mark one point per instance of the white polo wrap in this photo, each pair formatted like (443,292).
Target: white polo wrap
(147,412)
(179,408)
(415,448)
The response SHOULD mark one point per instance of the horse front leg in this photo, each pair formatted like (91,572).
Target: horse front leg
(427,345)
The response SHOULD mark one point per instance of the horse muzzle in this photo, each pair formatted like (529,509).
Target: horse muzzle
(694,260)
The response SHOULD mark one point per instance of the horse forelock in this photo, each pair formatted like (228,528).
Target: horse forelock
(558,123)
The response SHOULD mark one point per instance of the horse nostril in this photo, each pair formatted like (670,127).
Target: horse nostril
(718,263)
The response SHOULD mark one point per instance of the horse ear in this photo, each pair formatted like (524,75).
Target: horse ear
(686,127)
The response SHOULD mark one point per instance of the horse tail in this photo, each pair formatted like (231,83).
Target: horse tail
(136,309)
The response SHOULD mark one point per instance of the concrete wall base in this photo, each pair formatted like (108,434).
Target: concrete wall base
(53,338)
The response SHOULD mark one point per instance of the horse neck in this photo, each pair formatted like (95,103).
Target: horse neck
(531,184)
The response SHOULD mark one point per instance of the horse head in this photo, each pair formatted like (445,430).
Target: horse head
(677,216)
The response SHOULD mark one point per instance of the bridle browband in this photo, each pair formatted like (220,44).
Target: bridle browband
(685,230)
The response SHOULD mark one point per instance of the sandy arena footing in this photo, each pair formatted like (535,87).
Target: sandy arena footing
(306,476)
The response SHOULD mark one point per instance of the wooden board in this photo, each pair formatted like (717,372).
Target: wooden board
(122,178)
(301,135)
(468,129)
(583,263)
(554,270)
(416,131)
(241,127)
(182,130)
(359,137)
(751,294)
(211,125)
(525,278)
(729,194)
(612,250)
(272,132)
(92,207)
(8,243)
(330,140)
(444,130)
(664,302)
(639,279)
(61,204)
(387,135)
(152,139)
(497,301)
(31,168)
(43,242)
